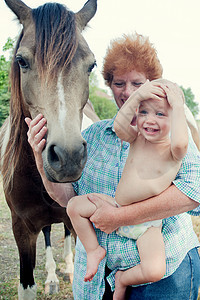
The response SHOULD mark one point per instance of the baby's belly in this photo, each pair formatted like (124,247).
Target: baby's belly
(133,188)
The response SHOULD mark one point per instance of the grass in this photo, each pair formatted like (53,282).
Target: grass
(9,261)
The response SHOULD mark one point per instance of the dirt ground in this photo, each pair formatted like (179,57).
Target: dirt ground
(9,260)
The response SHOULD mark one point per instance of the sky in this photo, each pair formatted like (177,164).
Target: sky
(173,27)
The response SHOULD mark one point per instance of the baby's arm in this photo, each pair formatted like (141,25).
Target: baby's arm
(126,116)
(179,130)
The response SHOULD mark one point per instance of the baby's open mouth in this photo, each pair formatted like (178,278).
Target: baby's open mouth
(148,129)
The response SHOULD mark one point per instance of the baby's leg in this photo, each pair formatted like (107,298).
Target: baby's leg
(152,267)
(80,210)
(151,249)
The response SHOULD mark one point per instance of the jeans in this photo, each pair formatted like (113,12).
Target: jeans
(183,284)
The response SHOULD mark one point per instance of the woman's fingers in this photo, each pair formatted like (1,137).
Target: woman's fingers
(36,132)
(28,121)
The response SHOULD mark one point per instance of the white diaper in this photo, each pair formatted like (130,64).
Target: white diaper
(135,231)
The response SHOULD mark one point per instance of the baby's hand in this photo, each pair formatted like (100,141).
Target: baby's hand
(175,96)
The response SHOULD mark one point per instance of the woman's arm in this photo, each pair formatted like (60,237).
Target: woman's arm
(60,192)
(124,119)
(169,203)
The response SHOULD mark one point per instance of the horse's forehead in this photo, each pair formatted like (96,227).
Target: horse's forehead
(82,44)
(28,39)
(83,54)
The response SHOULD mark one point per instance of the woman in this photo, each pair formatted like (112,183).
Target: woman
(129,62)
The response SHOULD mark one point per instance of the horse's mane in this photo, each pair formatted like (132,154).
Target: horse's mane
(56,44)
(56,38)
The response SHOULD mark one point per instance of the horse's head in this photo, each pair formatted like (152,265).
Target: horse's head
(54,61)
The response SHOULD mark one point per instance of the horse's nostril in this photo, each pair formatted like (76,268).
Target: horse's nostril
(59,159)
(84,148)
(56,157)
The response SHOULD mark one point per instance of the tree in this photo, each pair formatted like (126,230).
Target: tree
(4,93)
(189,100)
(4,81)
(104,107)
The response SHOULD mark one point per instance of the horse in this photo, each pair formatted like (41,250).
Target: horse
(49,75)
(52,282)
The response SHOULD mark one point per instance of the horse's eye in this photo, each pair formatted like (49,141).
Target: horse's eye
(22,62)
(91,67)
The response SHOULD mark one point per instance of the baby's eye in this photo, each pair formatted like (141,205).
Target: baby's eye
(160,114)
(143,112)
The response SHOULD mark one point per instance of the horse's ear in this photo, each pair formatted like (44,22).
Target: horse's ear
(86,13)
(20,9)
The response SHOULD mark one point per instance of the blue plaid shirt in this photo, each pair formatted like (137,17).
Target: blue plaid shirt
(106,160)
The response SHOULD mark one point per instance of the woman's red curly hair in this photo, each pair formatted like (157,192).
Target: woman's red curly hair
(131,52)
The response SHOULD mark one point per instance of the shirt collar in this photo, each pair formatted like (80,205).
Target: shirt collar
(110,125)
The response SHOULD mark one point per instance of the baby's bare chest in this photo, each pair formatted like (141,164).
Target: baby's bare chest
(151,162)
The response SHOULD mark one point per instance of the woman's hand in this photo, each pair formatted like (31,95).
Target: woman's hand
(105,216)
(60,192)
(36,133)
(150,90)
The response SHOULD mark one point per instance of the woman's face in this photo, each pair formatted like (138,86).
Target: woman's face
(124,85)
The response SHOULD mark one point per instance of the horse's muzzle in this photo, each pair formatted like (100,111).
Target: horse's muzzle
(61,165)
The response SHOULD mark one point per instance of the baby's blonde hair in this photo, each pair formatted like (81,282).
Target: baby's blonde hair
(131,52)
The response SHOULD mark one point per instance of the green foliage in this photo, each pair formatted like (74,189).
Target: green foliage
(93,83)
(9,45)
(103,106)
(4,81)
(189,100)
(4,92)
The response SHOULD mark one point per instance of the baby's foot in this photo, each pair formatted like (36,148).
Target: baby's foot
(120,290)
(93,260)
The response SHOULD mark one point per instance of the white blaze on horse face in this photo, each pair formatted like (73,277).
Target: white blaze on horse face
(62,105)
